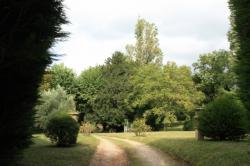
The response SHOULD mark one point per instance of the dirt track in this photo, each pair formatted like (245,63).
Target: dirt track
(151,156)
(109,154)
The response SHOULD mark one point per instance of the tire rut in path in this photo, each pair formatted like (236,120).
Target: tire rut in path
(108,154)
(151,156)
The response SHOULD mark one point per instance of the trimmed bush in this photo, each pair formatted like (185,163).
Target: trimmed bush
(223,119)
(139,127)
(62,129)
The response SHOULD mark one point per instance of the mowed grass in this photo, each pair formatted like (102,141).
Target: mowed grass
(43,153)
(183,144)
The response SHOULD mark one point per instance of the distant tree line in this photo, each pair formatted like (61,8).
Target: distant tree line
(130,85)
(136,84)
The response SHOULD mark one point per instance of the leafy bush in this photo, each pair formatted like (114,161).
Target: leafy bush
(53,100)
(139,127)
(224,118)
(87,128)
(62,129)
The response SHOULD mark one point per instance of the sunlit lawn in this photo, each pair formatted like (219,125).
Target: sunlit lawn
(43,153)
(198,153)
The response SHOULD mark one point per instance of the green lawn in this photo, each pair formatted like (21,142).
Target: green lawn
(198,153)
(43,153)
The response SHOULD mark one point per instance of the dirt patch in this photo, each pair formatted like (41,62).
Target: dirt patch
(108,154)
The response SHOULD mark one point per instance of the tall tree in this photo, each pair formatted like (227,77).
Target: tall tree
(111,104)
(213,72)
(28,29)
(146,49)
(240,44)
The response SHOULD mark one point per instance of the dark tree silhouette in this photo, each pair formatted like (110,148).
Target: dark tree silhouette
(28,28)
(240,44)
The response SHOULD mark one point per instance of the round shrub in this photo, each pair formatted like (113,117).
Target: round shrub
(62,129)
(223,119)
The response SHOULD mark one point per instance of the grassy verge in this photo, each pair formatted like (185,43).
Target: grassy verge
(43,153)
(198,153)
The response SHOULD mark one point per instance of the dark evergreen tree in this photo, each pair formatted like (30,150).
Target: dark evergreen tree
(240,44)
(28,29)
(111,105)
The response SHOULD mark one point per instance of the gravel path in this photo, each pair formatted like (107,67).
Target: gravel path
(108,154)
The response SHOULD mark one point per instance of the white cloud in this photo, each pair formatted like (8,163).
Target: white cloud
(186,28)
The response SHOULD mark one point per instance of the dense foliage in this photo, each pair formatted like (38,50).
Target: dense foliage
(53,100)
(137,85)
(63,76)
(87,85)
(62,129)
(159,90)
(169,120)
(28,29)
(223,118)
(111,105)
(213,73)
(130,86)
(58,75)
(240,44)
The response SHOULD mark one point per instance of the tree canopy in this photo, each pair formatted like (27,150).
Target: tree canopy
(158,90)
(111,104)
(213,72)
(59,74)
(146,50)
(87,86)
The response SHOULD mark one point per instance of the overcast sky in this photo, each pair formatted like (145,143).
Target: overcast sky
(187,28)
